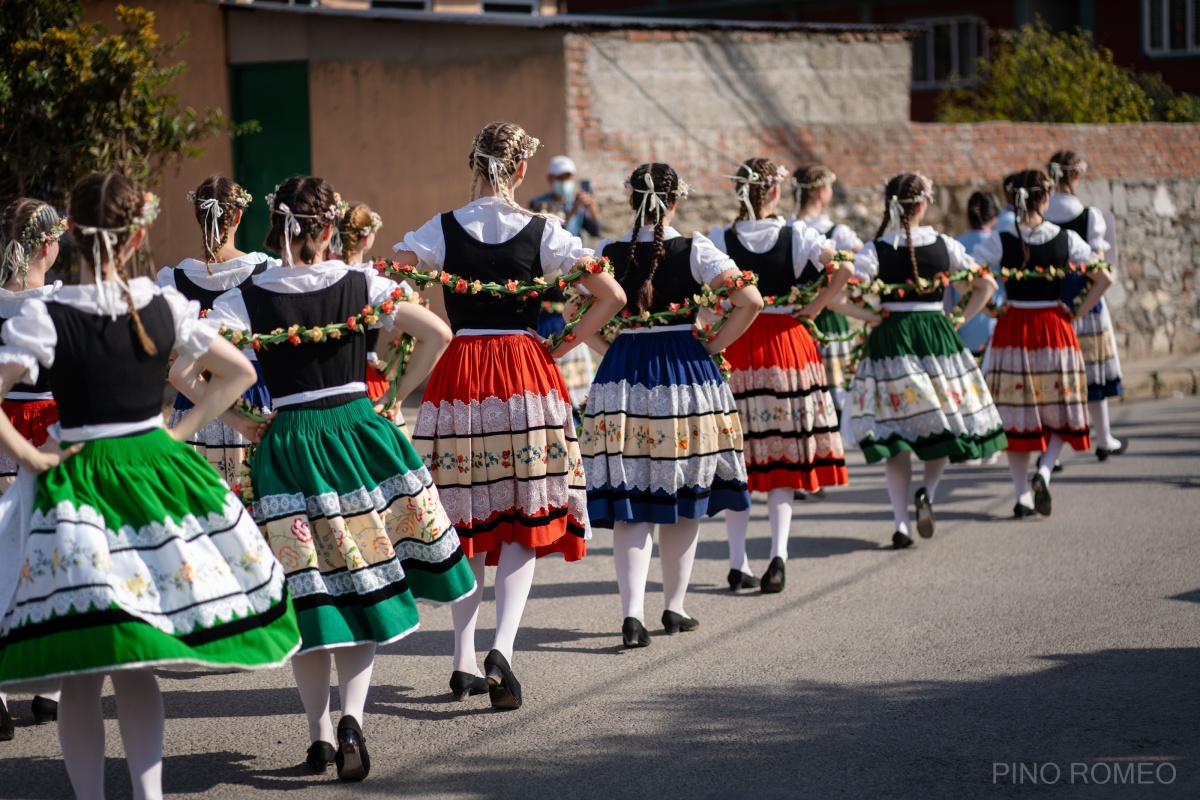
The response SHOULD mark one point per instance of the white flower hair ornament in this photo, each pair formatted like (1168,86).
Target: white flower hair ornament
(826,179)
(373,227)
(151,205)
(754,178)
(531,145)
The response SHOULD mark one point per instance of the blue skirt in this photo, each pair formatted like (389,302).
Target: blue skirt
(661,439)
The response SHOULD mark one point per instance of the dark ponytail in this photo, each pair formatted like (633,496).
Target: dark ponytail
(909,190)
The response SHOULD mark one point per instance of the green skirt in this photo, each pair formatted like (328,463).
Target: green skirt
(136,554)
(351,512)
(835,355)
(918,388)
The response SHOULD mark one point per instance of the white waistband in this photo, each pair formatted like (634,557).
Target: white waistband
(492,332)
(317,394)
(1033,303)
(104,430)
(659,329)
(929,306)
(778,309)
(27,396)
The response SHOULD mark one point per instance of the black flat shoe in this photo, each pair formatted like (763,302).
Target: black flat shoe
(1021,512)
(464,683)
(1102,453)
(1041,495)
(7,731)
(503,687)
(1057,468)
(773,579)
(353,762)
(673,623)
(634,633)
(901,540)
(320,756)
(44,710)
(740,580)
(924,513)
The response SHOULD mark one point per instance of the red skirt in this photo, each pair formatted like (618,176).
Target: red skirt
(789,420)
(377,385)
(1036,374)
(31,418)
(496,431)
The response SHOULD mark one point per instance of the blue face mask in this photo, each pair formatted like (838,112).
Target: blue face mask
(564,189)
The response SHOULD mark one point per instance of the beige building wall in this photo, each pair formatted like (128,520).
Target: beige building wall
(205,83)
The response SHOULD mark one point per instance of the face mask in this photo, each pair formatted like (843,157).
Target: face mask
(565,189)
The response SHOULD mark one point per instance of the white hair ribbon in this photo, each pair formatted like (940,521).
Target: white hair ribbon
(291,227)
(496,169)
(651,204)
(14,255)
(109,238)
(1056,172)
(1021,199)
(895,215)
(335,242)
(744,183)
(212,225)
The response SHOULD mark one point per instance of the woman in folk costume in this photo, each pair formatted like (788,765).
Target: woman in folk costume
(1094,329)
(918,390)
(789,419)
(340,493)
(495,425)
(356,237)
(1035,369)
(662,441)
(220,204)
(127,551)
(29,234)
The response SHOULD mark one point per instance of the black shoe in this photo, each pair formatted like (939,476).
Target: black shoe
(320,756)
(1102,453)
(1057,468)
(924,513)
(7,731)
(1041,495)
(634,633)
(465,683)
(773,579)
(674,623)
(901,540)
(353,762)
(44,710)
(800,494)
(503,687)
(740,580)
(1021,512)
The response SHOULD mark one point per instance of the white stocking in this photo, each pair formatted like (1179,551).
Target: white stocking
(140,719)
(779,512)
(514,578)
(465,614)
(1018,467)
(933,475)
(354,665)
(898,471)
(312,679)
(1050,457)
(632,546)
(677,552)
(1101,429)
(736,525)
(81,734)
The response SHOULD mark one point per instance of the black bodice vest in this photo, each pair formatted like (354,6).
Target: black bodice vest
(1079,224)
(520,259)
(207,297)
(100,374)
(775,268)
(895,266)
(1054,253)
(673,281)
(290,369)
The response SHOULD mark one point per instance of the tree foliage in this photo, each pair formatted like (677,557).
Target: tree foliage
(1034,74)
(75,99)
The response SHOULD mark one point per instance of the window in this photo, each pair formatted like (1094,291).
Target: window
(948,52)
(1172,27)
(511,7)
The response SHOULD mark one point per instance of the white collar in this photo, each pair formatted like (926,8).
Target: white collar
(921,235)
(332,265)
(87,297)
(755,225)
(821,221)
(1062,204)
(646,234)
(37,291)
(244,260)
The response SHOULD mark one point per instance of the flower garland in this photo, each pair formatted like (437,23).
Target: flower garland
(1052,273)
(298,334)
(241,198)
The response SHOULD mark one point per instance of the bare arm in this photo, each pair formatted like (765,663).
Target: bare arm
(432,337)
(230,374)
(1101,281)
(983,286)
(842,305)
(609,299)
(16,446)
(746,301)
(837,282)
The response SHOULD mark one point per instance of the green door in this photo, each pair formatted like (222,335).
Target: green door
(276,94)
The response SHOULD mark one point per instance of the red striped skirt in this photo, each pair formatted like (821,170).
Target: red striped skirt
(1036,374)
(495,430)
(789,420)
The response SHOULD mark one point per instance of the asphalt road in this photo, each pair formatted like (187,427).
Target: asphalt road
(1061,650)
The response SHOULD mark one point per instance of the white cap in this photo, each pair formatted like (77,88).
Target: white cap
(561,165)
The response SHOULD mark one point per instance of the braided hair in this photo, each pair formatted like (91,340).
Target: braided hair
(217,200)
(302,207)
(357,224)
(808,180)
(108,208)
(1064,168)
(753,183)
(25,225)
(653,188)
(496,153)
(902,196)
(1028,189)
